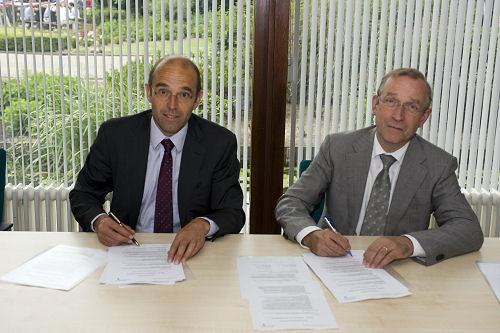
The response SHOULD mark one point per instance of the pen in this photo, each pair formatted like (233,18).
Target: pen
(330,224)
(120,223)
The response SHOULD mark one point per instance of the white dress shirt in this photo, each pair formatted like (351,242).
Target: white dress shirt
(375,167)
(145,222)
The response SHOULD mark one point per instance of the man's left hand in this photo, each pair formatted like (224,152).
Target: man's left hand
(385,250)
(188,241)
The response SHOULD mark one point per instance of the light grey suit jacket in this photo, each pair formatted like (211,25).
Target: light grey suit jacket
(426,185)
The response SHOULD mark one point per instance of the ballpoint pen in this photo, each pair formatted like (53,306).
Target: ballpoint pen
(330,224)
(120,223)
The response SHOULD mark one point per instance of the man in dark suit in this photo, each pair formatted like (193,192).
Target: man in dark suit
(384,180)
(169,170)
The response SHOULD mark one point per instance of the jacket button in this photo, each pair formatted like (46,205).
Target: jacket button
(440,257)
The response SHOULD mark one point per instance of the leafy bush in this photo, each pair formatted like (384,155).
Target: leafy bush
(52,123)
(34,40)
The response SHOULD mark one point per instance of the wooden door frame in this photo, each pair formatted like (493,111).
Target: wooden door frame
(271,30)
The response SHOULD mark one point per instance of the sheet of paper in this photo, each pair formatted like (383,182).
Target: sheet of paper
(145,264)
(270,271)
(292,307)
(282,294)
(61,267)
(491,271)
(350,281)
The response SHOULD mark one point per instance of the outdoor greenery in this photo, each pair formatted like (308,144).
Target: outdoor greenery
(110,27)
(50,120)
(35,40)
(51,131)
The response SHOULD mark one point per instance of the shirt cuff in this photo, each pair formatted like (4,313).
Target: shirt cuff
(95,219)
(303,233)
(213,226)
(418,250)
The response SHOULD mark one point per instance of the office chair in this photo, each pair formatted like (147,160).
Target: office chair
(318,209)
(3,168)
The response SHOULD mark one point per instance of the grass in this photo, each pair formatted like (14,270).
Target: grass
(159,46)
(108,49)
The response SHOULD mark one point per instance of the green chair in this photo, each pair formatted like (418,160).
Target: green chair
(3,168)
(318,209)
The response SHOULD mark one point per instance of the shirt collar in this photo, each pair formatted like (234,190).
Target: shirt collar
(156,136)
(398,154)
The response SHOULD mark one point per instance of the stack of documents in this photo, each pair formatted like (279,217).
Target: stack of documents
(61,267)
(350,281)
(145,264)
(491,271)
(282,294)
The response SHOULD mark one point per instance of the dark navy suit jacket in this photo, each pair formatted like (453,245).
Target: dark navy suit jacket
(208,179)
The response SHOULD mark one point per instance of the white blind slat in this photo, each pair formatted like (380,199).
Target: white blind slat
(293,108)
(480,118)
(247,107)
(320,76)
(346,66)
(353,75)
(400,30)
(462,89)
(362,97)
(450,42)
(303,84)
(429,71)
(312,79)
(337,70)
(328,73)
(446,79)
(222,83)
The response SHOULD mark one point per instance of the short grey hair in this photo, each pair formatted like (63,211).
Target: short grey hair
(410,72)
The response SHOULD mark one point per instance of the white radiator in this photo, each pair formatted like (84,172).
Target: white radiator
(486,204)
(47,208)
(41,208)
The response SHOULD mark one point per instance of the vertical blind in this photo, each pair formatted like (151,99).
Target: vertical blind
(341,49)
(61,78)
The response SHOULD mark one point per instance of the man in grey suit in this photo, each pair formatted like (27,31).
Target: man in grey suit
(384,180)
(169,170)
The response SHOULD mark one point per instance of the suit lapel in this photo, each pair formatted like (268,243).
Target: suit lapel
(139,150)
(359,164)
(411,175)
(191,163)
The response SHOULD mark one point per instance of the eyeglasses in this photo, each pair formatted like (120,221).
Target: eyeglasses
(393,103)
(165,94)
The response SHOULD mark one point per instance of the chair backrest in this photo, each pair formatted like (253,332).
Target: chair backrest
(318,209)
(304,164)
(3,168)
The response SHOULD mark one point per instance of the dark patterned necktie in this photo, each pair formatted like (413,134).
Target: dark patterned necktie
(163,206)
(378,204)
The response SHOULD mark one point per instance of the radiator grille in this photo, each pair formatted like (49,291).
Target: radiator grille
(47,208)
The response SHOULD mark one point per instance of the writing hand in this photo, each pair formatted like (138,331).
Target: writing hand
(385,250)
(111,233)
(188,241)
(326,243)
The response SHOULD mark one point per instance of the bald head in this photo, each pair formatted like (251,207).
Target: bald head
(180,61)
